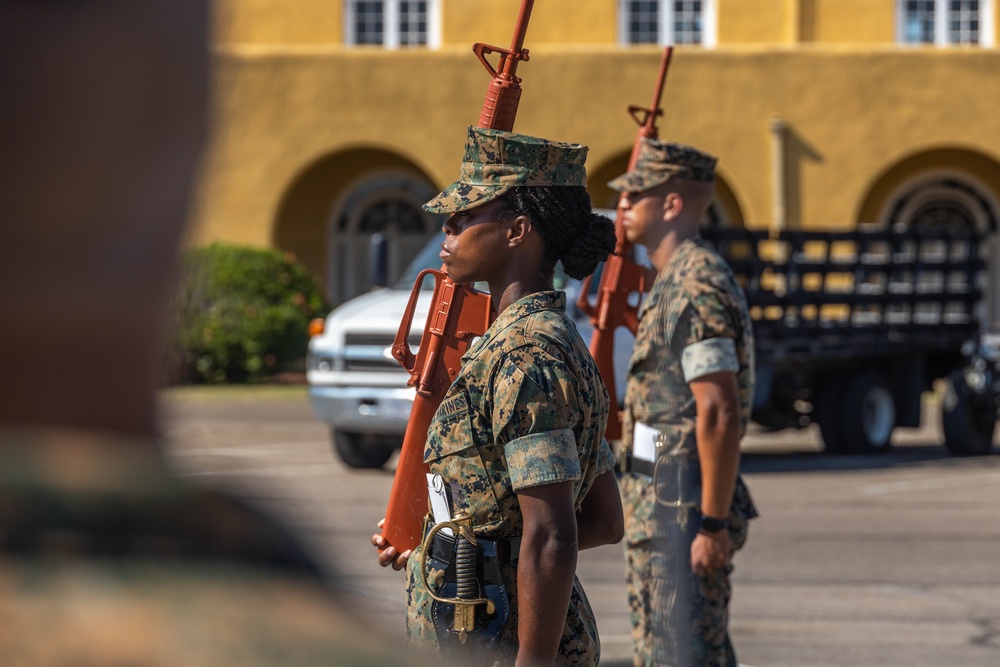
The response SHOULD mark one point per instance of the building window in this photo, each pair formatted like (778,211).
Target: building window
(413,23)
(392,23)
(369,22)
(667,22)
(946,22)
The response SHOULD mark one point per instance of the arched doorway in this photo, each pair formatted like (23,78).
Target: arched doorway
(946,199)
(333,207)
(385,203)
(929,184)
(942,201)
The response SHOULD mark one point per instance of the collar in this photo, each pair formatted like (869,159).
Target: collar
(523,307)
(681,251)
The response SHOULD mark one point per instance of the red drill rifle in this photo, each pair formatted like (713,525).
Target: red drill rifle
(621,275)
(458,315)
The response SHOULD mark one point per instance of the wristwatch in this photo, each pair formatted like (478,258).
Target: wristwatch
(713,524)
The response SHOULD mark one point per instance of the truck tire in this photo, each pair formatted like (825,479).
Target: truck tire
(361,450)
(868,414)
(968,424)
(827,413)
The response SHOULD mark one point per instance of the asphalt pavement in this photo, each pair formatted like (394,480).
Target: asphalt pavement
(884,560)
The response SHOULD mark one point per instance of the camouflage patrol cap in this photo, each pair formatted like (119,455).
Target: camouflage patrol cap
(660,161)
(496,161)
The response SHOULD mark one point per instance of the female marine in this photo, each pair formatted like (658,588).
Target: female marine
(518,441)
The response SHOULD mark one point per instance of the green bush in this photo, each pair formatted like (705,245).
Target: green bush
(241,314)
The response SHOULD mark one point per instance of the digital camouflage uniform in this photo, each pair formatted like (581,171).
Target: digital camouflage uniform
(693,322)
(496,161)
(107,560)
(528,408)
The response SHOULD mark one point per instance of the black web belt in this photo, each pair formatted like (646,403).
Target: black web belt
(442,551)
(638,466)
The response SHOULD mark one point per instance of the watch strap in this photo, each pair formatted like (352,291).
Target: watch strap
(713,524)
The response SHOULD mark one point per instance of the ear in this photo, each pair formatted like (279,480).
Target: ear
(673,204)
(519,230)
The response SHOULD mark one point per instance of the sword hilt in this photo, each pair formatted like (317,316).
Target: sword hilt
(467,585)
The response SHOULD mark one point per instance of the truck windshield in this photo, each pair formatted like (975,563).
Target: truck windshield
(427,258)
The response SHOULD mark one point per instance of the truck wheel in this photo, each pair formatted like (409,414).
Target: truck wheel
(827,413)
(968,424)
(868,414)
(361,450)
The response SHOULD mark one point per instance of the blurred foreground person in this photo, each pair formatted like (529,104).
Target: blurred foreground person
(687,405)
(104,559)
(517,446)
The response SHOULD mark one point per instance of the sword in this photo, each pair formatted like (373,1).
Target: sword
(467,585)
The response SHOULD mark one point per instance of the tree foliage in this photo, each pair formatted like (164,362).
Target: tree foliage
(241,314)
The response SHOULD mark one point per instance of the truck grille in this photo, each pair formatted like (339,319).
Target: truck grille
(370,352)
(377,339)
(372,365)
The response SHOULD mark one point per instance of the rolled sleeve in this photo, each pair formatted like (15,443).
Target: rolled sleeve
(543,458)
(700,312)
(605,458)
(714,355)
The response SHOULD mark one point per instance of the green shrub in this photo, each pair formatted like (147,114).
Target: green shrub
(241,314)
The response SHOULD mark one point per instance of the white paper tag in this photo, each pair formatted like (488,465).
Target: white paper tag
(644,442)
(439,501)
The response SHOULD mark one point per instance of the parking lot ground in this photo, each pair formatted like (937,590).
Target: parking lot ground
(884,560)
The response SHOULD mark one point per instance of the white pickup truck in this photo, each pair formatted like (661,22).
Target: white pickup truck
(359,389)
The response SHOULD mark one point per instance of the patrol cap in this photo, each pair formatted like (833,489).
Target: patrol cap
(496,161)
(660,161)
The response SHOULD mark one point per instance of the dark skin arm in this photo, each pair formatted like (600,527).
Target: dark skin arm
(388,556)
(718,433)
(545,570)
(600,520)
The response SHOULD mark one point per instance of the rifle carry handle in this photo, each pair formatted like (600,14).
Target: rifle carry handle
(504,91)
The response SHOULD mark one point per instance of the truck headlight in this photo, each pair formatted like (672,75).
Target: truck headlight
(319,362)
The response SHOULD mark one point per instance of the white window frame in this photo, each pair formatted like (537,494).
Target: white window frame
(941,27)
(926,186)
(390,25)
(709,23)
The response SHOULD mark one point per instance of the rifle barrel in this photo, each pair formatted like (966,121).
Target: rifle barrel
(649,127)
(521,27)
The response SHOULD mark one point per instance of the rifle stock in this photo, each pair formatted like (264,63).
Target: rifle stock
(621,277)
(458,314)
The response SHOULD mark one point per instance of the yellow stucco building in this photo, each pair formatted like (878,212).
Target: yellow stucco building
(334,119)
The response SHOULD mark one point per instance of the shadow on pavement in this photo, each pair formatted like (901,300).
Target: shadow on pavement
(900,456)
